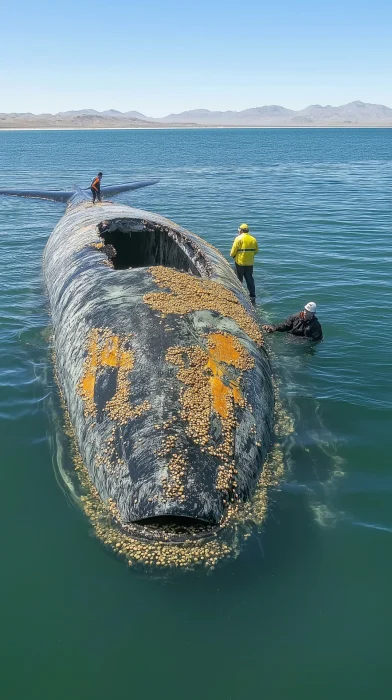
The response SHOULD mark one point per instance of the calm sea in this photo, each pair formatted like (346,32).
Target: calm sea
(306,609)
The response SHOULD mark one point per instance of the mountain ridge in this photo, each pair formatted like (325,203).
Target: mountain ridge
(355,113)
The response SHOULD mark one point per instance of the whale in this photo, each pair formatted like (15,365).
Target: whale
(160,361)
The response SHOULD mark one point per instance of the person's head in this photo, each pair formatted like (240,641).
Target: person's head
(244,228)
(309,310)
(100,175)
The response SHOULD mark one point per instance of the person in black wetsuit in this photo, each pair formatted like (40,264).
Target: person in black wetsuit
(95,188)
(305,324)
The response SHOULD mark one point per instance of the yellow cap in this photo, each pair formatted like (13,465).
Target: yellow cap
(244,227)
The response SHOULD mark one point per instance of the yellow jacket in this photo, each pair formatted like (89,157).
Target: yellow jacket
(244,249)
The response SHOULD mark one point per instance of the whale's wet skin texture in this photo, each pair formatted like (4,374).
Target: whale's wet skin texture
(168,388)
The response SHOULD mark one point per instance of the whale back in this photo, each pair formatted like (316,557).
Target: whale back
(161,362)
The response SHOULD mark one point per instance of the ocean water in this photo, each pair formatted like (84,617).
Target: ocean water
(305,610)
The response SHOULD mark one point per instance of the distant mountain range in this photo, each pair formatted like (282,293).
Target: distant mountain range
(353,114)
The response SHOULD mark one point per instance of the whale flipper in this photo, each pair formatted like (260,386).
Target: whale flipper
(111,190)
(77,193)
(53,195)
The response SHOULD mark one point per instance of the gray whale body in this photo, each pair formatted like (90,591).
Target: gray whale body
(161,363)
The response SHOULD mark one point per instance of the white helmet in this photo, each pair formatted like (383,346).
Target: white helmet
(311,306)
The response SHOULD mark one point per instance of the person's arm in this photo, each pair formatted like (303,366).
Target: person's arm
(283,327)
(257,248)
(234,248)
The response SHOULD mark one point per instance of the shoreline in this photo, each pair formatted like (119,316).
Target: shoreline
(191,127)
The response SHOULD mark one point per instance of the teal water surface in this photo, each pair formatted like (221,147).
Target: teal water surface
(305,610)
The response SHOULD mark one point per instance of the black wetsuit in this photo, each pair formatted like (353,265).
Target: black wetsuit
(298,325)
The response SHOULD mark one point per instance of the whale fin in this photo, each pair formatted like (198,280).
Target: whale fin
(111,190)
(67,195)
(53,195)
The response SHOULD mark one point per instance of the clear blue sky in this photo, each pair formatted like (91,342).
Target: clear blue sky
(169,56)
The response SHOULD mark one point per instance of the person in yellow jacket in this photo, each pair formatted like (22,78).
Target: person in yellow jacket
(243,251)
